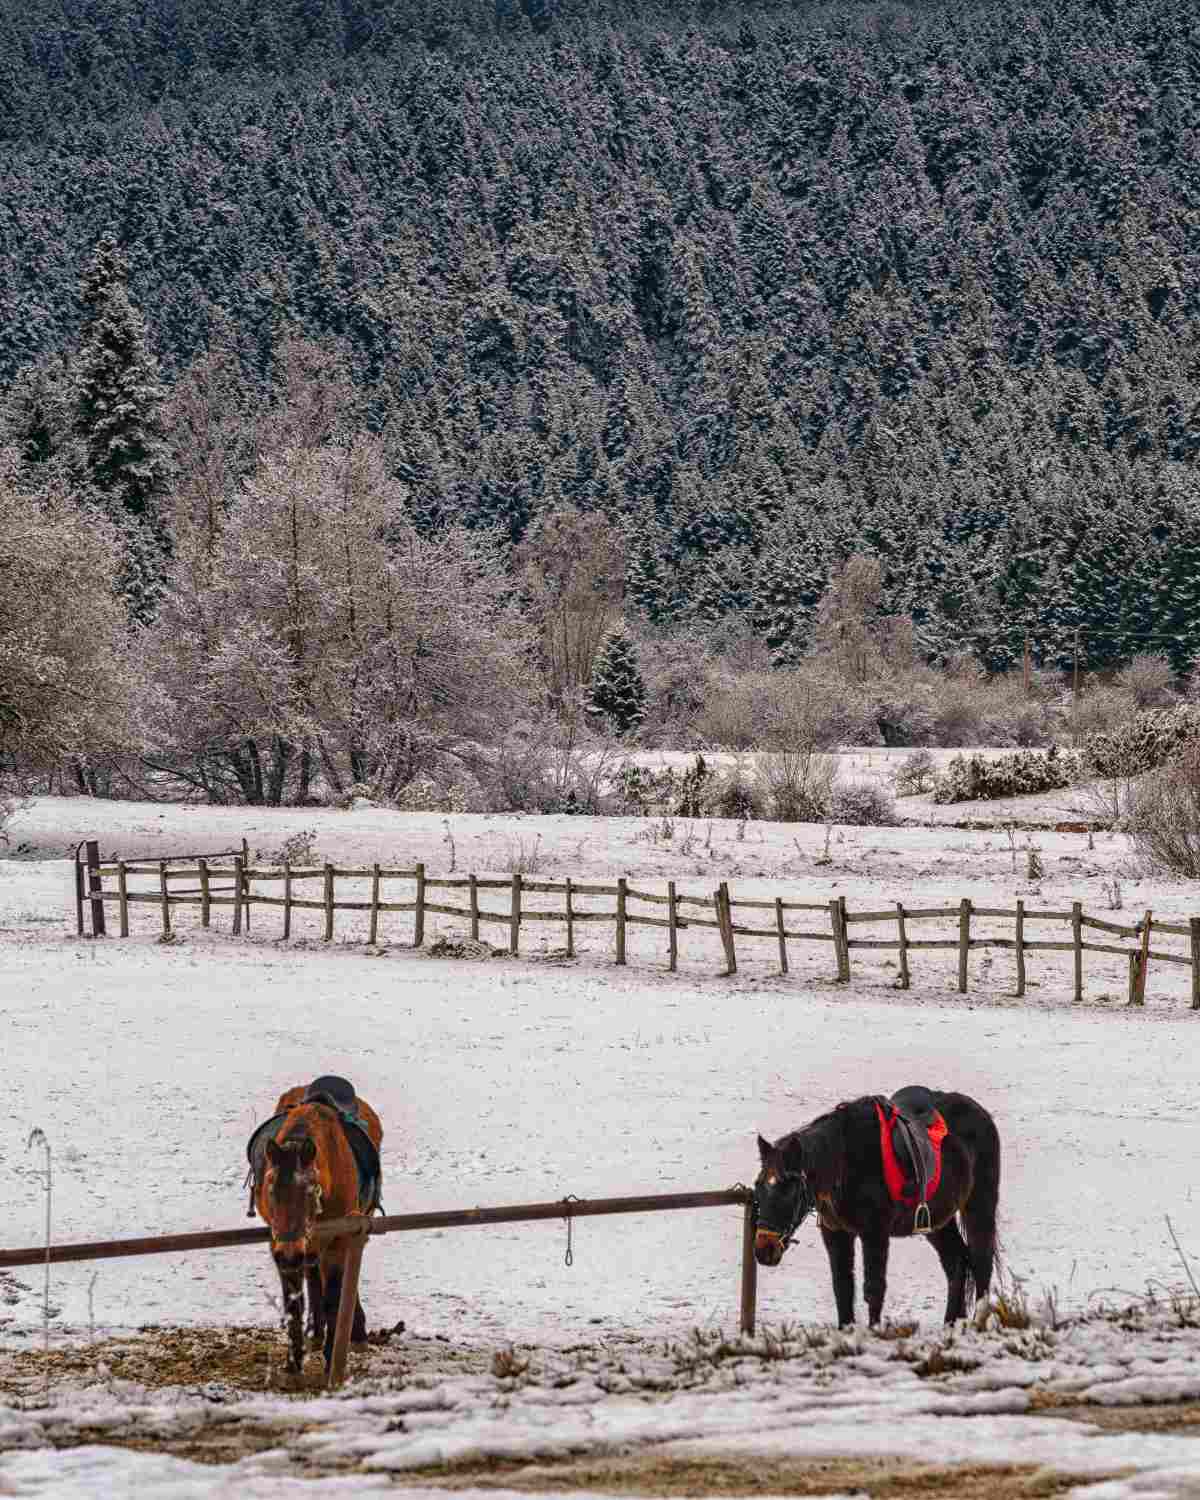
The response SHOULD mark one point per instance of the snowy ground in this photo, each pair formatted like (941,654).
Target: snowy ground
(510,1081)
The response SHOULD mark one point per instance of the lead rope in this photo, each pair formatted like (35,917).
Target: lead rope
(569,1257)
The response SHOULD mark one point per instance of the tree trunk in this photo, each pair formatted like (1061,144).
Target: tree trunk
(281,755)
(302,791)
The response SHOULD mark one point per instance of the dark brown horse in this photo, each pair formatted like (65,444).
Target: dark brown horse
(316,1158)
(839,1166)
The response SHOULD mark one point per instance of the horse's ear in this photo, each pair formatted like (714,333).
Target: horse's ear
(308,1151)
(765,1150)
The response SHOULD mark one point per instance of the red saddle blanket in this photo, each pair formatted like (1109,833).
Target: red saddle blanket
(895,1174)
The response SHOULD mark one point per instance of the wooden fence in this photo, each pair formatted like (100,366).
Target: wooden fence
(360,1229)
(770,920)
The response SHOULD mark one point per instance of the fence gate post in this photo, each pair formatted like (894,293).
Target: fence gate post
(749,1268)
(1077,939)
(95,886)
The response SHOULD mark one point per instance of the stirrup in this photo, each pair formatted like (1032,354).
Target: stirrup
(921,1220)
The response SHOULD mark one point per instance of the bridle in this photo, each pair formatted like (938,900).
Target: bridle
(806,1202)
(312,1211)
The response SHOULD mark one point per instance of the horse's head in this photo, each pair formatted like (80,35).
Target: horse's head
(292,1195)
(783,1199)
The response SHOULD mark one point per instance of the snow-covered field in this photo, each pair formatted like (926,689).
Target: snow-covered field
(503,1081)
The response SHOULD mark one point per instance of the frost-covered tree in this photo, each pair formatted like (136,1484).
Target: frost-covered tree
(118,404)
(72,688)
(616,692)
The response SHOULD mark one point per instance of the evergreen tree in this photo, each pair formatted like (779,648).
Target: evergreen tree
(617,692)
(119,424)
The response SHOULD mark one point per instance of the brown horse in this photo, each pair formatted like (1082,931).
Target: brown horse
(837,1166)
(309,1165)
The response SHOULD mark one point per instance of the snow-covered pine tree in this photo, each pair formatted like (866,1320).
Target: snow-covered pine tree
(617,692)
(118,419)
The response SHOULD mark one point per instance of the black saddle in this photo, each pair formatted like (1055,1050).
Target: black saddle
(915,1111)
(330,1089)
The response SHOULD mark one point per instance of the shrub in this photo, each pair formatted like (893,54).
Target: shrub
(795,784)
(1147,741)
(424,794)
(975,778)
(1148,680)
(735,795)
(863,804)
(1164,815)
(915,774)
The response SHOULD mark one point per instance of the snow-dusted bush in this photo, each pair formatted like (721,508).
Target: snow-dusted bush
(795,784)
(1148,679)
(1145,742)
(973,778)
(864,804)
(1163,817)
(424,794)
(915,773)
(735,794)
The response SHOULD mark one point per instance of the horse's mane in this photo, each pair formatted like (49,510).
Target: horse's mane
(819,1149)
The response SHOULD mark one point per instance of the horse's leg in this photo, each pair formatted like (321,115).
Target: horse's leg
(358,1330)
(316,1302)
(952,1253)
(875,1263)
(291,1281)
(839,1246)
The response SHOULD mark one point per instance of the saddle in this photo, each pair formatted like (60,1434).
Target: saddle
(339,1095)
(911,1131)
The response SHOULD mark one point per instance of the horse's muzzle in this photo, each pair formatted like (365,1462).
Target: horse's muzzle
(768,1247)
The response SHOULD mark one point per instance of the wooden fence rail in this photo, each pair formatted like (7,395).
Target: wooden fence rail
(672,910)
(361,1229)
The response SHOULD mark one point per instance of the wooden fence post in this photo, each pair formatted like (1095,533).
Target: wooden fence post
(78,895)
(672,928)
(287,899)
(95,885)
(245,879)
(1135,965)
(1019,945)
(725,917)
(1077,939)
(841,953)
(570,921)
(123,893)
(514,919)
(237,894)
(347,1302)
(1144,964)
(419,912)
(964,942)
(749,1269)
(328,902)
(904,974)
(373,930)
(779,928)
(205,893)
(1194,930)
(622,897)
(164,897)
(474,889)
